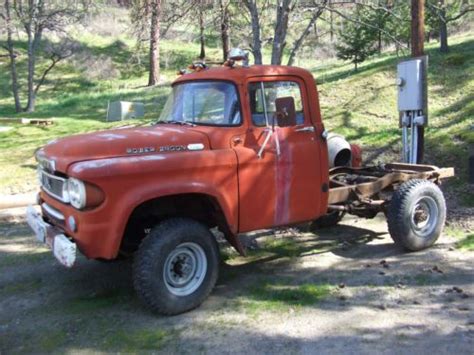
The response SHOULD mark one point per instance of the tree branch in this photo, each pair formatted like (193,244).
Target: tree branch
(401,44)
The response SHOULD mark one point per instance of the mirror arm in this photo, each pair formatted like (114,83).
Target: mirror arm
(270,129)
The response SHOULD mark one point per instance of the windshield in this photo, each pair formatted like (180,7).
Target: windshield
(204,103)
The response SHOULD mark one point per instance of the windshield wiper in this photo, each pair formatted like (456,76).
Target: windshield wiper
(183,123)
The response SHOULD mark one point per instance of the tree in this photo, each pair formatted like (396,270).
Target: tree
(146,17)
(357,40)
(225,26)
(154,53)
(315,12)
(441,13)
(283,10)
(256,45)
(6,16)
(34,17)
(151,21)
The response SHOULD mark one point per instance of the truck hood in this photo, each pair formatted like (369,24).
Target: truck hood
(158,139)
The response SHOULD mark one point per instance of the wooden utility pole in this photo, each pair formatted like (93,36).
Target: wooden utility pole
(417,27)
(417,50)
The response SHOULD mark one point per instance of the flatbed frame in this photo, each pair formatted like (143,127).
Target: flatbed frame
(365,191)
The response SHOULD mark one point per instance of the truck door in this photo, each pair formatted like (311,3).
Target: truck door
(279,161)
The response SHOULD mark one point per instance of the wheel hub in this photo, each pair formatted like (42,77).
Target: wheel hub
(185,269)
(424,216)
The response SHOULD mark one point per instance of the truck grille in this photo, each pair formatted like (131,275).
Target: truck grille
(53,185)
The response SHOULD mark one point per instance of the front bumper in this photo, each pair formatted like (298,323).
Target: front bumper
(63,249)
(96,233)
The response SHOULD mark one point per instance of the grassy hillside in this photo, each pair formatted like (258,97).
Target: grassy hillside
(361,106)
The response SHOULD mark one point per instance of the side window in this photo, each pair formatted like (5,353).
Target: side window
(280,100)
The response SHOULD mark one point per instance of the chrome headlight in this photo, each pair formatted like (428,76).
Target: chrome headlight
(76,191)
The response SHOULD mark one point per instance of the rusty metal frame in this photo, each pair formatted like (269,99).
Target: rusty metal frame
(383,176)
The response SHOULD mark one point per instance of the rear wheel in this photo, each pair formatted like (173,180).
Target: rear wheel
(416,214)
(176,266)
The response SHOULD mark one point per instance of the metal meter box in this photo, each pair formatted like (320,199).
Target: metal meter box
(411,84)
(124,110)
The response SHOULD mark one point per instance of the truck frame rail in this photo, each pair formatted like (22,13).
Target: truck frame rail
(366,191)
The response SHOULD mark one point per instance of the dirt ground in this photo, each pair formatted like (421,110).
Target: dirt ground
(345,289)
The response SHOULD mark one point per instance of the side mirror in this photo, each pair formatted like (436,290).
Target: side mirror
(285,112)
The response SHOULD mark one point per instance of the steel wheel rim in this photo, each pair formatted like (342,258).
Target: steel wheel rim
(185,269)
(424,216)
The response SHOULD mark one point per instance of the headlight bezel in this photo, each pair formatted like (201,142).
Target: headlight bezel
(76,191)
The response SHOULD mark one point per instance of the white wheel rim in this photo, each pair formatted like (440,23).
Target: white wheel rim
(424,216)
(185,269)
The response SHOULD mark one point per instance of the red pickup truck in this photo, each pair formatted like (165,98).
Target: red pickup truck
(238,148)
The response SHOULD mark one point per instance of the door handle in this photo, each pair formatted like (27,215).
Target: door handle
(305,129)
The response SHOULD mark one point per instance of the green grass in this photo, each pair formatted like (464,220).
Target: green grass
(20,287)
(17,259)
(50,341)
(136,340)
(466,243)
(280,296)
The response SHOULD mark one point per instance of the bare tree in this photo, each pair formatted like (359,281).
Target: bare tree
(224,26)
(6,16)
(146,19)
(56,52)
(35,17)
(446,12)
(316,11)
(256,46)
(154,55)
(202,40)
(151,21)
(284,9)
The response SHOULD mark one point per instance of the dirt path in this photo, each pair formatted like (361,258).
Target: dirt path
(346,289)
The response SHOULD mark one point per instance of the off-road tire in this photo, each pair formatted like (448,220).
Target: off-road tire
(402,220)
(150,259)
(328,220)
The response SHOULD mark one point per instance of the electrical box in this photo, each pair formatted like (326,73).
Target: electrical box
(124,110)
(411,85)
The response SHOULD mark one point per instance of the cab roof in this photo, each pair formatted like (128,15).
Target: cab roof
(240,74)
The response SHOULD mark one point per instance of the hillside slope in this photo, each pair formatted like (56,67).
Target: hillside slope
(360,105)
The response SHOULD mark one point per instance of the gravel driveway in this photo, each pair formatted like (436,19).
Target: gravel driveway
(344,289)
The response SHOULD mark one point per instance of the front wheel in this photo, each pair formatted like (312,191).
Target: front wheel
(416,214)
(176,266)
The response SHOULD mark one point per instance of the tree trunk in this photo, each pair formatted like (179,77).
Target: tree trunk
(34,39)
(379,40)
(331,25)
(302,37)
(202,54)
(154,74)
(256,42)
(12,56)
(443,29)
(281,29)
(224,29)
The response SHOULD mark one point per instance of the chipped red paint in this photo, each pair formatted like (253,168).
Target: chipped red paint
(283,167)
(253,193)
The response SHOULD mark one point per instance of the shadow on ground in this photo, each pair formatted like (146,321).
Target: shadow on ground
(92,307)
